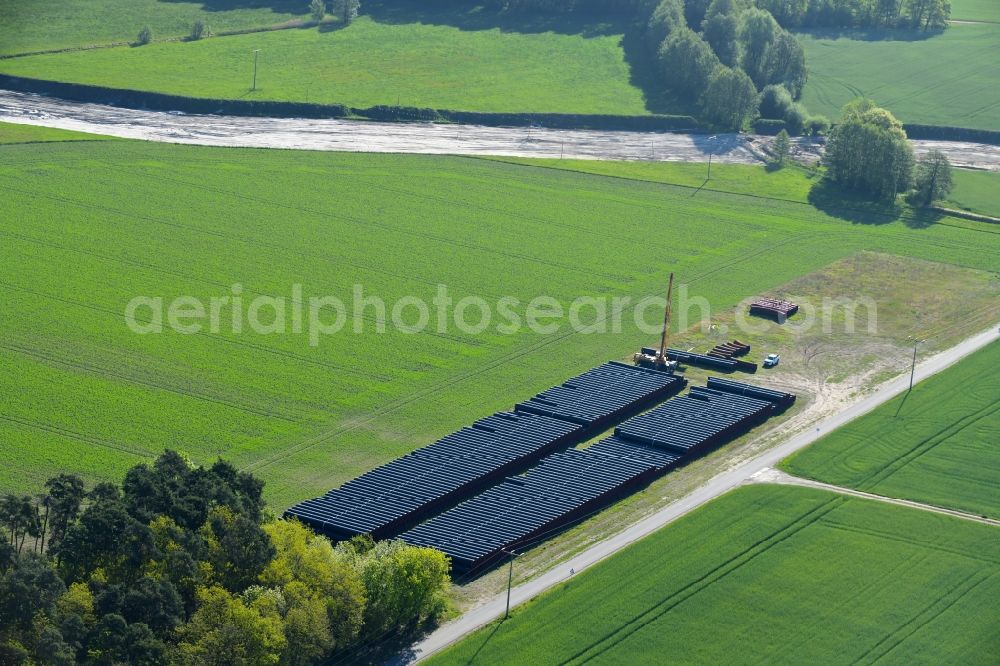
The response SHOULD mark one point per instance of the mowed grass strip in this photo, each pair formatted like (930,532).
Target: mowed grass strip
(976,192)
(937,444)
(769,574)
(16,133)
(370,63)
(91,225)
(941,79)
(36,25)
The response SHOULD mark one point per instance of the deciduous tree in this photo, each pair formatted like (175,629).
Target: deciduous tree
(730,100)
(868,152)
(933,180)
(686,62)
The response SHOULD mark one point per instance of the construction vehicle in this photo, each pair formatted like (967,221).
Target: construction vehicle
(659,361)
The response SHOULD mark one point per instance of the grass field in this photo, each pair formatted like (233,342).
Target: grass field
(13,133)
(975,10)
(369,63)
(35,25)
(976,192)
(791,183)
(937,80)
(769,574)
(936,445)
(86,394)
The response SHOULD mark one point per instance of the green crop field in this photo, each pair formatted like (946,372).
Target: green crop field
(84,393)
(370,63)
(769,574)
(975,10)
(976,192)
(939,444)
(35,25)
(943,79)
(791,183)
(12,133)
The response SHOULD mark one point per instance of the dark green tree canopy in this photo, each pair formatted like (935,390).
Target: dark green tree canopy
(868,152)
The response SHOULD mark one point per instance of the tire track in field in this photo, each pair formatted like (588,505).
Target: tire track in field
(72,434)
(255,243)
(378,321)
(111,374)
(927,615)
(392,229)
(833,525)
(805,634)
(928,444)
(212,336)
(664,606)
(507,213)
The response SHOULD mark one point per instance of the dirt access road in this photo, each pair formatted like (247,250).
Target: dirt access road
(367,136)
(718,485)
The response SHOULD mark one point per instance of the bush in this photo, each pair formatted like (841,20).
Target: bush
(817,125)
(768,126)
(145,36)
(198,30)
(796,118)
(775,100)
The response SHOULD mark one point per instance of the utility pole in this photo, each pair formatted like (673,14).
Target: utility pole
(710,152)
(709,167)
(510,580)
(913,365)
(255,52)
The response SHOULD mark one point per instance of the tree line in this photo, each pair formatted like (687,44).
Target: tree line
(184,565)
(915,14)
(920,14)
(738,51)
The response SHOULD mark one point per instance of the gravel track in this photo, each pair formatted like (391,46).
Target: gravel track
(426,138)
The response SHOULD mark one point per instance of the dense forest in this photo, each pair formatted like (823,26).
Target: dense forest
(184,565)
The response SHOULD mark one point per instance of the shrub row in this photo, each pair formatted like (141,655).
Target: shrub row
(153,101)
(769,126)
(948,133)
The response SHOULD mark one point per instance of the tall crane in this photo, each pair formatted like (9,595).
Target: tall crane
(660,360)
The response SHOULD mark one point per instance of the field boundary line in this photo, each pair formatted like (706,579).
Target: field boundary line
(782,478)
(730,479)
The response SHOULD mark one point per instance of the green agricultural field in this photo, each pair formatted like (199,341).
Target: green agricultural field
(936,80)
(939,444)
(370,63)
(791,183)
(35,25)
(13,133)
(88,226)
(975,10)
(769,574)
(976,192)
